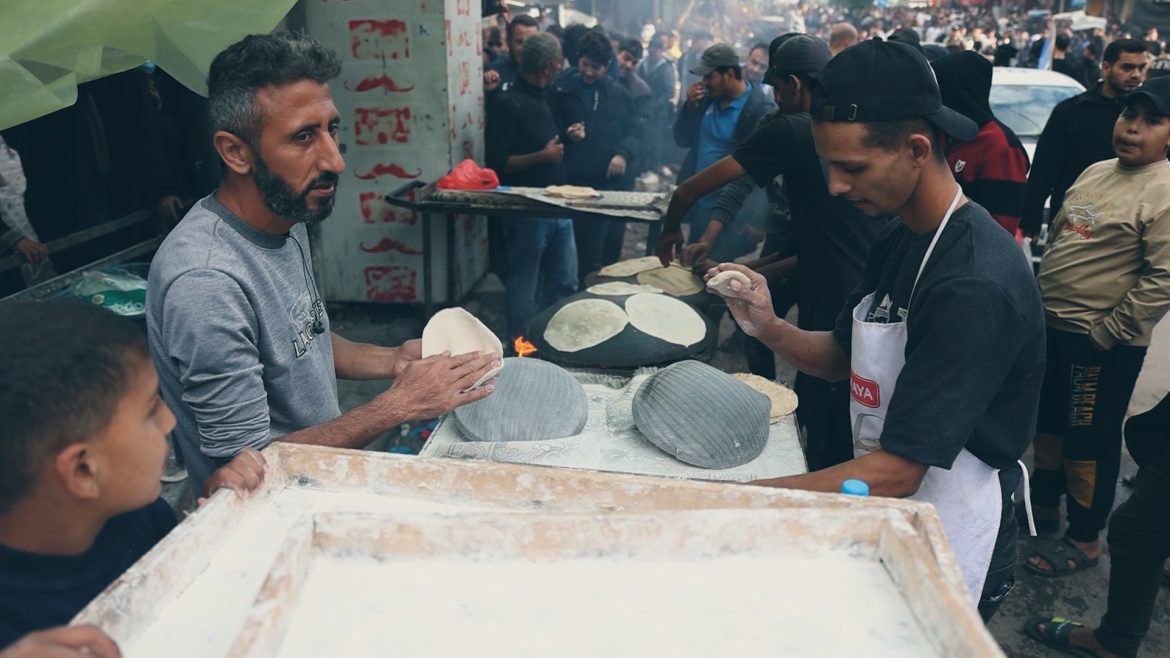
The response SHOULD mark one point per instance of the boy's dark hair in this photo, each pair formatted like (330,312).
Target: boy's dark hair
(69,366)
(522,19)
(737,70)
(631,46)
(1062,42)
(570,39)
(889,135)
(1115,48)
(759,46)
(258,61)
(596,47)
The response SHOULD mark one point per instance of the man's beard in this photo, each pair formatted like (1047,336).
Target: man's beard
(282,199)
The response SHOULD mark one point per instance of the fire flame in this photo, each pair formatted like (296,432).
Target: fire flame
(523,348)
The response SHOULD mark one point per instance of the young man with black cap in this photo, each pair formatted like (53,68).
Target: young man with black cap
(832,237)
(947,309)
(720,112)
(1105,282)
(1079,131)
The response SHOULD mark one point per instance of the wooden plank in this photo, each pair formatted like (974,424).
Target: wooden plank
(83,236)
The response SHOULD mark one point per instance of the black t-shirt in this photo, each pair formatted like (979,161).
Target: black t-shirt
(975,345)
(42,591)
(520,122)
(832,237)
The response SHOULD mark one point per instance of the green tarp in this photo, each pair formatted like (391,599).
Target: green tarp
(48,47)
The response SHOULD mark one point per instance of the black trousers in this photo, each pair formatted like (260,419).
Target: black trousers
(824,412)
(1082,404)
(1139,543)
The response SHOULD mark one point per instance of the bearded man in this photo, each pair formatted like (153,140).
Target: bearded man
(237,328)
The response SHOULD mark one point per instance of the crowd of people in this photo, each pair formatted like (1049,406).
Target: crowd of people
(931,356)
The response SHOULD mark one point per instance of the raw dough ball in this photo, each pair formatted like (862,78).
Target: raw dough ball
(666,318)
(534,400)
(456,331)
(584,323)
(720,284)
(630,267)
(702,416)
(619,289)
(674,280)
(784,400)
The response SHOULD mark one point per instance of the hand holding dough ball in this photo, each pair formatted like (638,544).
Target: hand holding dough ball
(720,284)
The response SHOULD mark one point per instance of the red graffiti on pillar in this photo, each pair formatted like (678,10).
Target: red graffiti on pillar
(469,149)
(374,125)
(464,78)
(375,210)
(464,39)
(450,45)
(451,132)
(384,40)
(391,283)
(390,244)
(479,42)
(378,82)
(463,7)
(392,169)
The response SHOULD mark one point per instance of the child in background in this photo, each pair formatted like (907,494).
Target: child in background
(82,446)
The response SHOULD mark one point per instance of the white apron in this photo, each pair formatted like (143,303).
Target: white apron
(967,497)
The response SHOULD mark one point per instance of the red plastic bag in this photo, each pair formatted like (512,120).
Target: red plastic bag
(469,176)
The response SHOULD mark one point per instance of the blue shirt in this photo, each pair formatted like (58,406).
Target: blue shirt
(715,138)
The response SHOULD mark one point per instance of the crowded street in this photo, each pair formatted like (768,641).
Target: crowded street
(585,328)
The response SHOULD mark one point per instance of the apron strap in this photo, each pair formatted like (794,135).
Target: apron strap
(934,241)
(1028,500)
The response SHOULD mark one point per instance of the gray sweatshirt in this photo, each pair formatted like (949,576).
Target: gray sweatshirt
(229,316)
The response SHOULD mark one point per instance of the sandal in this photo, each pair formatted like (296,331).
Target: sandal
(1058,555)
(1055,634)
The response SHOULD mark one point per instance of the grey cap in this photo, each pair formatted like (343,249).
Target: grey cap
(716,56)
(800,54)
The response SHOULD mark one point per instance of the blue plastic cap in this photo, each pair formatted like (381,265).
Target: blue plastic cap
(854,488)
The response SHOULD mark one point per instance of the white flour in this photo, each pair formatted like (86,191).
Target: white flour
(205,619)
(738,606)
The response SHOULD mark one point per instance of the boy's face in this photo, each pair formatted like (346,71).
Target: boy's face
(1141,135)
(590,70)
(130,454)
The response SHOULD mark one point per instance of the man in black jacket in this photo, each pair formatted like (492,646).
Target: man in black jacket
(658,72)
(586,101)
(1080,132)
(721,112)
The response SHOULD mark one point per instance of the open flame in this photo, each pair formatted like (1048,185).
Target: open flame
(523,347)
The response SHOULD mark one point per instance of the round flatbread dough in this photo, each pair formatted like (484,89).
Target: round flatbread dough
(674,280)
(456,331)
(573,192)
(666,318)
(630,267)
(583,324)
(783,399)
(701,416)
(619,289)
(720,284)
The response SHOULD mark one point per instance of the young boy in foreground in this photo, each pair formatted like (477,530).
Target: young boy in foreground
(82,445)
(1106,273)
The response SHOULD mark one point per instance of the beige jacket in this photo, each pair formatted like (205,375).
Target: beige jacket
(1106,270)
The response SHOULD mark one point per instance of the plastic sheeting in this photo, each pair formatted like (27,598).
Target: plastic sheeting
(48,47)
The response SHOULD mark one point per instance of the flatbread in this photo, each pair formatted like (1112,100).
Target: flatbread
(674,280)
(784,400)
(630,267)
(666,318)
(619,289)
(583,324)
(720,284)
(456,331)
(571,192)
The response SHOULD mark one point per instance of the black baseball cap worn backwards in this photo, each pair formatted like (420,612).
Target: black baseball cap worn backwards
(886,81)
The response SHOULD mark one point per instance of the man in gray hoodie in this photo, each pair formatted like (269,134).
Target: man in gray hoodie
(237,328)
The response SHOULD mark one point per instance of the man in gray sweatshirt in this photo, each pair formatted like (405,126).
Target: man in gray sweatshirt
(237,328)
